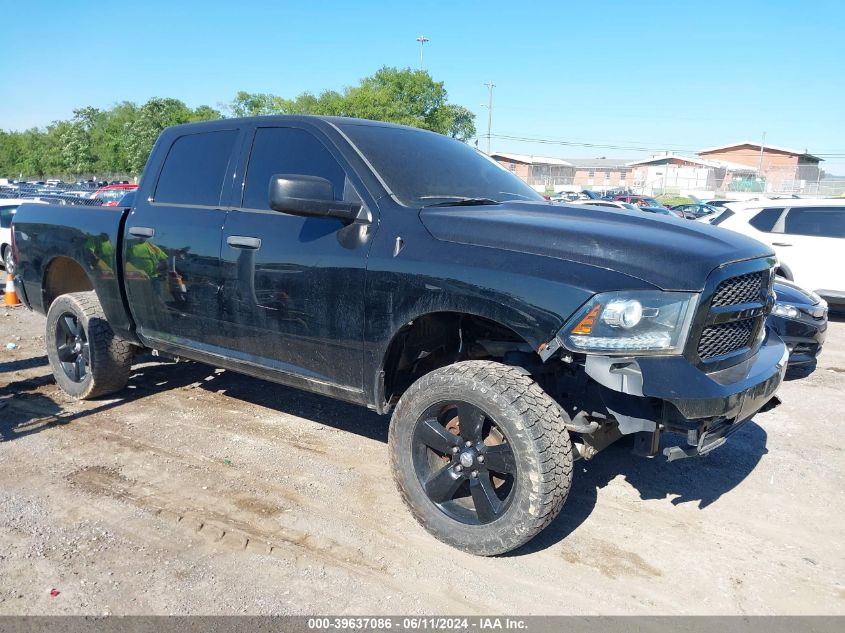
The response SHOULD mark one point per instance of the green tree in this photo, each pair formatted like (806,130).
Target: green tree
(205,113)
(10,154)
(76,151)
(140,133)
(118,140)
(53,147)
(32,154)
(405,96)
(107,138)
(254,104)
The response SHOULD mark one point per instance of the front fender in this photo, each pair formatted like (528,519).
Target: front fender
(531,295)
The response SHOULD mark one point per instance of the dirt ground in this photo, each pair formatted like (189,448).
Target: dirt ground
(198,491)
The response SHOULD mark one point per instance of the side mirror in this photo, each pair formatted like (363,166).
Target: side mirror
(310,196)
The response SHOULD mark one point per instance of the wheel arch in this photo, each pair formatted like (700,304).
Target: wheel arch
(784,271)
(445,336)
(62,275)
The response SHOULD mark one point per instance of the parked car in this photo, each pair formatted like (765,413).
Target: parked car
(808,235)
(128,199)
(503,332)
(719,202)
(800,319)
(640,201)
(110,195)
(661,210)
(612,204)
(695,210)
(8,208)
(617,204)
(568,196)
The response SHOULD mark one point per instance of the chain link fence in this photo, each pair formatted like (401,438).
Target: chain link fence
(685,180)
(780,180)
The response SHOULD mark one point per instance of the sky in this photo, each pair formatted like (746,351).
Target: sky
(634,77)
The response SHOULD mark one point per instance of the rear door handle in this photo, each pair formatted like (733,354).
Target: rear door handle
(780,244)
(141,231)
(243,241)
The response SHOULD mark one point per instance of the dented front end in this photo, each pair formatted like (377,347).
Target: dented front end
(727,368)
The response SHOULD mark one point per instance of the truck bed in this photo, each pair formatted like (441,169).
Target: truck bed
(48,235)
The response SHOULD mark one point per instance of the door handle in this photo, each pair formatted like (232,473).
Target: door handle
(242,241)
(141,231)
(780,244)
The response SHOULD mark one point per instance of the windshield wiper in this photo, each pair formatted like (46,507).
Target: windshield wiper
(457,201)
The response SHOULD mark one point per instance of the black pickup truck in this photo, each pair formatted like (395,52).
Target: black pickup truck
(405,271)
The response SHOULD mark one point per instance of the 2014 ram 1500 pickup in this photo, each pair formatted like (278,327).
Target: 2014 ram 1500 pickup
(405,271)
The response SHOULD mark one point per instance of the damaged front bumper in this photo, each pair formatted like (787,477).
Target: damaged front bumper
(650,395)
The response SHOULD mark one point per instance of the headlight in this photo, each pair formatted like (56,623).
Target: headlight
(647,322)
(785,310)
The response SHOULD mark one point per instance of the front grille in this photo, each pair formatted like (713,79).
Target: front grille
(741,289)
(725,338)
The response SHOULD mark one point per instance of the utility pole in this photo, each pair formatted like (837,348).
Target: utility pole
(760,163)
(422,39)
(490,85)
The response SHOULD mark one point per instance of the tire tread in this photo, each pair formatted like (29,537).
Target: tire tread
(543,422)
(111,357)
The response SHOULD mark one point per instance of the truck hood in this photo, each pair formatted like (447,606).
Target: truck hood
(670,253)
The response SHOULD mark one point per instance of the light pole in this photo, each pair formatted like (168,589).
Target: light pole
(422,39)
(490,85)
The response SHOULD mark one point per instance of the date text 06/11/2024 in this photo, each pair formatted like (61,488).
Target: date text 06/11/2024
(430,623)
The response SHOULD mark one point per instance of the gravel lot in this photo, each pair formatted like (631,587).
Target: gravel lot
(202,492)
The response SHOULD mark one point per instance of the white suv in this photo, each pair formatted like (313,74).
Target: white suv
(8,206)
(808,235)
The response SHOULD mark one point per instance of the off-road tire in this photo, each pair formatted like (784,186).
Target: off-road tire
(534,425)
(110,357)
(7,259)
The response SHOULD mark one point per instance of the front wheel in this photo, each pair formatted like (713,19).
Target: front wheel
(481,456)
(86,358)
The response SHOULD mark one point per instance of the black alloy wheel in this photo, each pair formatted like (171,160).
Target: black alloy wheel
(86,357)
(464,462)
(481,455)
(72,348)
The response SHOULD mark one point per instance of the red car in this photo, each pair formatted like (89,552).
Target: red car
(111,194)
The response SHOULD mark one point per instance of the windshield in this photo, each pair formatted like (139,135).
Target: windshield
(424,168)
(6,213)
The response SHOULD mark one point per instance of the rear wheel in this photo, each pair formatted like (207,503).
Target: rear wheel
(86,358)
(481,456)
(8,263)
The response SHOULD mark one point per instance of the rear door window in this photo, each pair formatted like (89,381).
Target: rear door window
(765,220)
(816,221)
(195,168)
